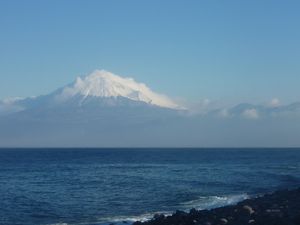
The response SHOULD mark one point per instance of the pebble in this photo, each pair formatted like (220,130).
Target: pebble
(224,221)
(273,211)
(282,207)
(248,209)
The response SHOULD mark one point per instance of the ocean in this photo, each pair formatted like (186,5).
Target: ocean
(103,186)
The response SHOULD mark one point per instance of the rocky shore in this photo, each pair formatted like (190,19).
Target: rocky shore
(279,208)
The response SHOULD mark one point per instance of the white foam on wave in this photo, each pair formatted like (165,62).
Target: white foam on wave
(131,219)
(210,202)
(117,220)
(59,224)
(203,202)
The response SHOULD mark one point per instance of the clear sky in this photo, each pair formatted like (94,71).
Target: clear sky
(229,50)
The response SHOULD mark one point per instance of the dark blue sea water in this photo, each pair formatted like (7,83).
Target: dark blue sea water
(98,186)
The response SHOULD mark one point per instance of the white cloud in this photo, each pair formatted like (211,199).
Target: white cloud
(12,100)
(251,114)
(224,113)
(275,102)
(9,108)
(202,106)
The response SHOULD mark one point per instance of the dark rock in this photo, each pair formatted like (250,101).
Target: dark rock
(279,208)
(180,213)
(248,209)
(158,216)
(223,221)
(137,223)
(193,211)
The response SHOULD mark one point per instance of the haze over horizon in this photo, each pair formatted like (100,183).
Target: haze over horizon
(103,109)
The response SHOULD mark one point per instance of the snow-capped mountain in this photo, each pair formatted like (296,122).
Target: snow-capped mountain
(104,84)
(99,109)
(106,110)
(99,89)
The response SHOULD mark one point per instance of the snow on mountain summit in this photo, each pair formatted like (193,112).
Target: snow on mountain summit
(103,84)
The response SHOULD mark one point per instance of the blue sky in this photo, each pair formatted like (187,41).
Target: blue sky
(232,51)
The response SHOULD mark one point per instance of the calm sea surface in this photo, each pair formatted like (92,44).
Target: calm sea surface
(99,186)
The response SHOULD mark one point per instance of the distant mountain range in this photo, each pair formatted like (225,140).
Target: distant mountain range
(250,111)
(106,110)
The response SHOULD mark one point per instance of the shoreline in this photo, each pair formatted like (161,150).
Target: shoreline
(278,208)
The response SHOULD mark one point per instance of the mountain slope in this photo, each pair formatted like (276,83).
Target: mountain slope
(105,110)
(99,89)
(99,109)
(104,84)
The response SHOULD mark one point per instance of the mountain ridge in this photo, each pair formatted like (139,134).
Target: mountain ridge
(88,116)
(104,84)
(101,88)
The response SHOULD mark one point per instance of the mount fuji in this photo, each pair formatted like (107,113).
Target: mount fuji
(100,109)
(103,84)
(107,110)
(98,89)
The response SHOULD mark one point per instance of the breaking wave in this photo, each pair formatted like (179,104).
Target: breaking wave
(209,202)
(203,202)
